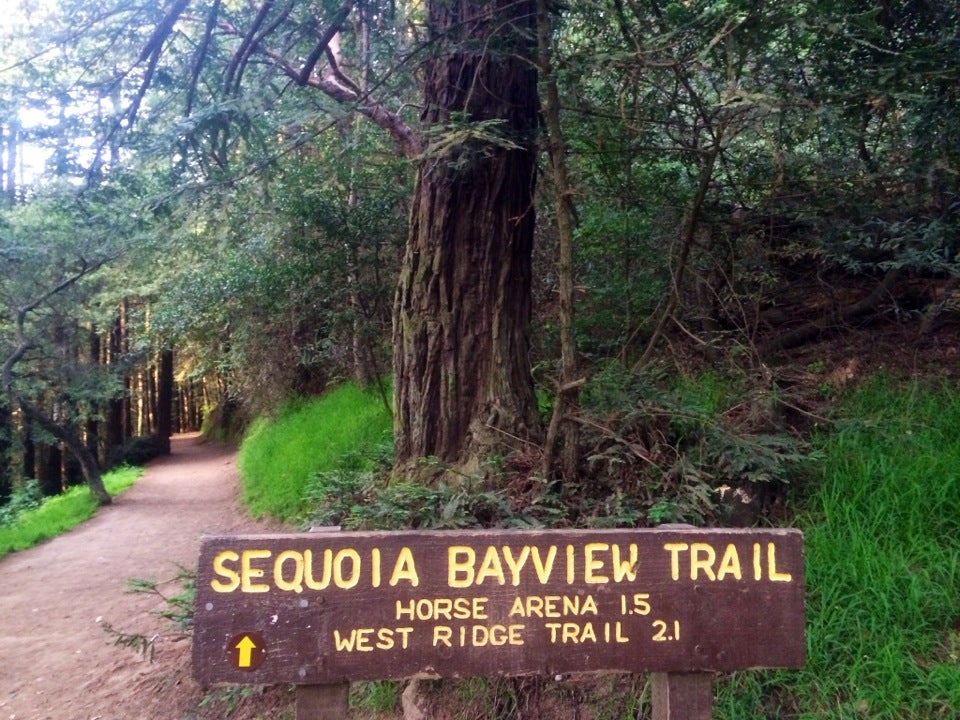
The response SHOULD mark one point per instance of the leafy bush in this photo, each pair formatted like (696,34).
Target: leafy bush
(359,495)
(668,454)
(135,451)
(26,496)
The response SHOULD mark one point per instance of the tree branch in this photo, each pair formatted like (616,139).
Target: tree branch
(323,44)
(250,43)
(408,141)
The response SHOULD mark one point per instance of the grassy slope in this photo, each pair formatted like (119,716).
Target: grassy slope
(278,457)
(882,529)
(883,568)
(59,514)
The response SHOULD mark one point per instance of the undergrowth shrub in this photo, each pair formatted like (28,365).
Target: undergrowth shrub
(361,495)
(26,496)
(660,453)
(136,451)
(654,455)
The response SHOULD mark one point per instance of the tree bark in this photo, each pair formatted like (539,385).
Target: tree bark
(461,322)
(6,443)
(49,469)
(165,401)
(116,435)
(29,464)
(92,425)
(567,388)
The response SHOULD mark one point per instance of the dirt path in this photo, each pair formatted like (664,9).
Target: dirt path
(56,659)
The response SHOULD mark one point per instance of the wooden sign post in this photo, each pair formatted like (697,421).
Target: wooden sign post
(326,609)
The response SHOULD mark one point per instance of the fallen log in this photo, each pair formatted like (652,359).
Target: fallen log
(815,328)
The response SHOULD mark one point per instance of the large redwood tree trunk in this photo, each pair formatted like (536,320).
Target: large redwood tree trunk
(462,370)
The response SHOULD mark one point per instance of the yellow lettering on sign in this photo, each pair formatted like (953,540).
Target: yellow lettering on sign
(491,567)
(370,639)
(515,563)
(294,584)
(553,606)
(442,609)
(772,566)
(405,569)
(232,576)
(308,576)
(442,635)
(592,564)
(543,567)
(343,580)
(249,573)
(375,569)
(625,569)
(703,562)
(675,549)
(575,633)
(730,563)
(386,637)
(495,635)
(460,561)
(602,563)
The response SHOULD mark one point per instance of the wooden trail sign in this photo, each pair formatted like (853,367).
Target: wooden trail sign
(327,608)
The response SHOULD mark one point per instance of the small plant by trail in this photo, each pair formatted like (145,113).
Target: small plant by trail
(177,610)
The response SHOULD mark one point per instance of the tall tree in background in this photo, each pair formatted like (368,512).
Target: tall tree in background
(51,252)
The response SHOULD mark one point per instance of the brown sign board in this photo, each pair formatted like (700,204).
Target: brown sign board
(321,608)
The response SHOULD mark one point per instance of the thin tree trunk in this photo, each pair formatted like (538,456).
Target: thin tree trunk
(92,429)
(567,387)
(72,442)
(165,401)
(49,471)
(6,444)
(688,234)
(115,425)
(29,445)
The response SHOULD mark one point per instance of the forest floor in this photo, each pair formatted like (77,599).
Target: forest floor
(57,658)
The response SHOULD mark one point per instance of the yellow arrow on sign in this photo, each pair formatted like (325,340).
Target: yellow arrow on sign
(246,646)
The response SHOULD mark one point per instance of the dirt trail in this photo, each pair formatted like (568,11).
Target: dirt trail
(56,660)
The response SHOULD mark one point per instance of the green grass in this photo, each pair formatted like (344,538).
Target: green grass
(882,534)
(279,457)
(61,513)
